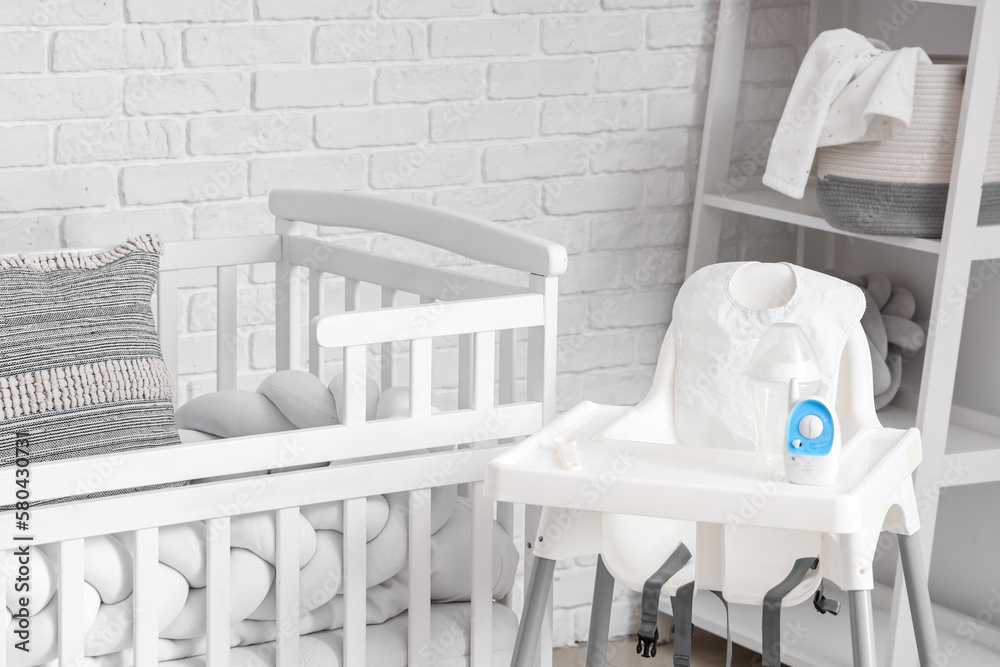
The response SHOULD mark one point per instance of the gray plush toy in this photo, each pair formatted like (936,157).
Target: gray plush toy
(892,334)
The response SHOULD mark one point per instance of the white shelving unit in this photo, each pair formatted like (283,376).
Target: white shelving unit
(950,434)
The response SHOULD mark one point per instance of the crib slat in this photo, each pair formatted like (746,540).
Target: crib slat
(217,541)
(315,308)
(465,342)
(70,613)
(508,366)
(421,355)
(287,577)
(482,578)
(225,334)
(388,301)
(286,295)
(355,390)
(355,358)
(354,581)
(145,620)
(484,355)
(508,371)
(352,294)
(464,371)
(166,322)
(419,616)
(421,371)
(542,387)
(505,517)
(542,348)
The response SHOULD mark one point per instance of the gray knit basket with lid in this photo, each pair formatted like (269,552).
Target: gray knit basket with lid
(900,187)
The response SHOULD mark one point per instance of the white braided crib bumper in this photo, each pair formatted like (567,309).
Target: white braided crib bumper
(181,571)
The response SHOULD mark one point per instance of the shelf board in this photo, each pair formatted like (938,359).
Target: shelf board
(975,452)
(822,640)
(960,3)
(766,203)
(987,242)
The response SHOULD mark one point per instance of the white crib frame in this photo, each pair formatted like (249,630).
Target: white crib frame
(487,308)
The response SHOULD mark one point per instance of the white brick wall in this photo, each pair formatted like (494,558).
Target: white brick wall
(578,120)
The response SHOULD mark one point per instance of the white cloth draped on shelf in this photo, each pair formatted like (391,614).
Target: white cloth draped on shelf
(847,90)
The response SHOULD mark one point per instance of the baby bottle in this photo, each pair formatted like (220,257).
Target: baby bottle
(782,354)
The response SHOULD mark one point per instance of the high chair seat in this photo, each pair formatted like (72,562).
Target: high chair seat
(632,566)
(645,486)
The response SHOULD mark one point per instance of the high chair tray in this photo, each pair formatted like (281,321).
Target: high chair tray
(697,483)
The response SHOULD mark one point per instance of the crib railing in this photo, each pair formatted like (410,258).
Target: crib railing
(451,303)
(223,255)
(142,515)
(481,312)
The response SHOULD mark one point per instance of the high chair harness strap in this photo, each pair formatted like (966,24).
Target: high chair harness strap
(648,633)
(729,634)
(771,617)
(681,604)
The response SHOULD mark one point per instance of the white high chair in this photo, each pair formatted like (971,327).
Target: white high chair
(637,496)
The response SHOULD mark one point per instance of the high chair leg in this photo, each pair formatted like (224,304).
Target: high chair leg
(600,616)
(535,599)
(862,628)
(915,577)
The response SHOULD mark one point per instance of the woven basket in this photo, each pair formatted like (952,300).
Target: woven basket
(900,187)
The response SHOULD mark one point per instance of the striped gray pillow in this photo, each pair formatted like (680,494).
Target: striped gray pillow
(81,371)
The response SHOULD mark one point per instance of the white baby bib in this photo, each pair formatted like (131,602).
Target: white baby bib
(716,334)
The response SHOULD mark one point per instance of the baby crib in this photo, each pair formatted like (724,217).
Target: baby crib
(386,456)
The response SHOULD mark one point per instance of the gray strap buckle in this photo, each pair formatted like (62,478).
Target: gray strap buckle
(648,632)
(823,604)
